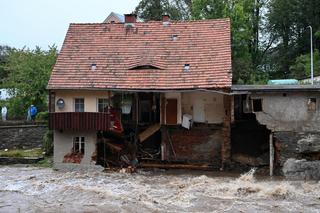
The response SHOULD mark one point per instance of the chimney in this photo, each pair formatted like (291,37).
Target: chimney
(130,18)
(165,18)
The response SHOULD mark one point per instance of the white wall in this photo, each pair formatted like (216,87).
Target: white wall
(203,106)
(289,113)
(63,144)
(90,99)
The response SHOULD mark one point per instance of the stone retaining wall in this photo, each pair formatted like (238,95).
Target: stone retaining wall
(12,160)
(22,136)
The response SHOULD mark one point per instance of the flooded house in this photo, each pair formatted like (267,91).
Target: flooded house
(155,92)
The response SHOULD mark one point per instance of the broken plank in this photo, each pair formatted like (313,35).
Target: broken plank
(115,147)
(171,145)
(149,132)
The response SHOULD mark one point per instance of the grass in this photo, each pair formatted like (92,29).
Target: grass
(20,153)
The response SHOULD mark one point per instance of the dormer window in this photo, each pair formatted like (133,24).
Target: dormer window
(144,67)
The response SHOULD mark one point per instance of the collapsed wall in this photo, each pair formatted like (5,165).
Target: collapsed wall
(294,120)
(249,138)
(301,169)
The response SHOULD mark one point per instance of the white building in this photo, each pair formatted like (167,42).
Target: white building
(316,80)
(4,94)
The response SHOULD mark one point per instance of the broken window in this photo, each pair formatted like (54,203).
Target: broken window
(103,104)
(79,105)
(312,104)
(78,145)
(257,105)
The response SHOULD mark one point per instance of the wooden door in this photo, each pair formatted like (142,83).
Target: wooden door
(171,111)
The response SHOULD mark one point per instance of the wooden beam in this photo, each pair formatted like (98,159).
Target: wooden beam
(177,166)
(149,132)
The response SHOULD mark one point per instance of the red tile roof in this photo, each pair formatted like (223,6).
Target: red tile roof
(116,50)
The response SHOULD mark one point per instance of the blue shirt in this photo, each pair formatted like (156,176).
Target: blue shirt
(33,111)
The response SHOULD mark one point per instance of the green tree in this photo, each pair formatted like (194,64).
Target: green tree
(288,21)
(302,66)
(4,51)
(282,18)
(245,16)
(154,9)
(28,75)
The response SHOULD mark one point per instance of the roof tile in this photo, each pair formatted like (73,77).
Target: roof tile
(205,45)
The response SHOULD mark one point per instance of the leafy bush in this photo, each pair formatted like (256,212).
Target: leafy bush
(42,116)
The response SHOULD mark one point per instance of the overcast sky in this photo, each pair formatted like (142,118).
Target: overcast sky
(41,23)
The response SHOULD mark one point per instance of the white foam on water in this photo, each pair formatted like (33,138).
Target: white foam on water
(146,191)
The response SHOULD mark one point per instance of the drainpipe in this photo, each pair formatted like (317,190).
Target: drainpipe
(311,53)
(271,153)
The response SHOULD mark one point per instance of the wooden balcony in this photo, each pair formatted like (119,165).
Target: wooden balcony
(79,121)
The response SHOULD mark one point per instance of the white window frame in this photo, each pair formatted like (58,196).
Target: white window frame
(98,102)
(82,144)
(74,104)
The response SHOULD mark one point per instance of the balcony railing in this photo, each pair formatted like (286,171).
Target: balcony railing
(79,121)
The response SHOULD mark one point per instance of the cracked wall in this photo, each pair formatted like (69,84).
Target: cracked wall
(294,120)
(288,112)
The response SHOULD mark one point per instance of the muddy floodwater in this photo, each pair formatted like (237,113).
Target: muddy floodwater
(30,189)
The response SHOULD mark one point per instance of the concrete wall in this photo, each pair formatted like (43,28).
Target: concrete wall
(63,144)
(295,128)
(288,113)
(203,106)
(90,99)
(22,136)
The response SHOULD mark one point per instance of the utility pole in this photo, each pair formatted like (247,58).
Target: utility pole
(311,49)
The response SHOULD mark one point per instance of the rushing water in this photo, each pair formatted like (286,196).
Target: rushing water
(29,189)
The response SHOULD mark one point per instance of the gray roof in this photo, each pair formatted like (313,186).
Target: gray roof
(120,17)
(242,89)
